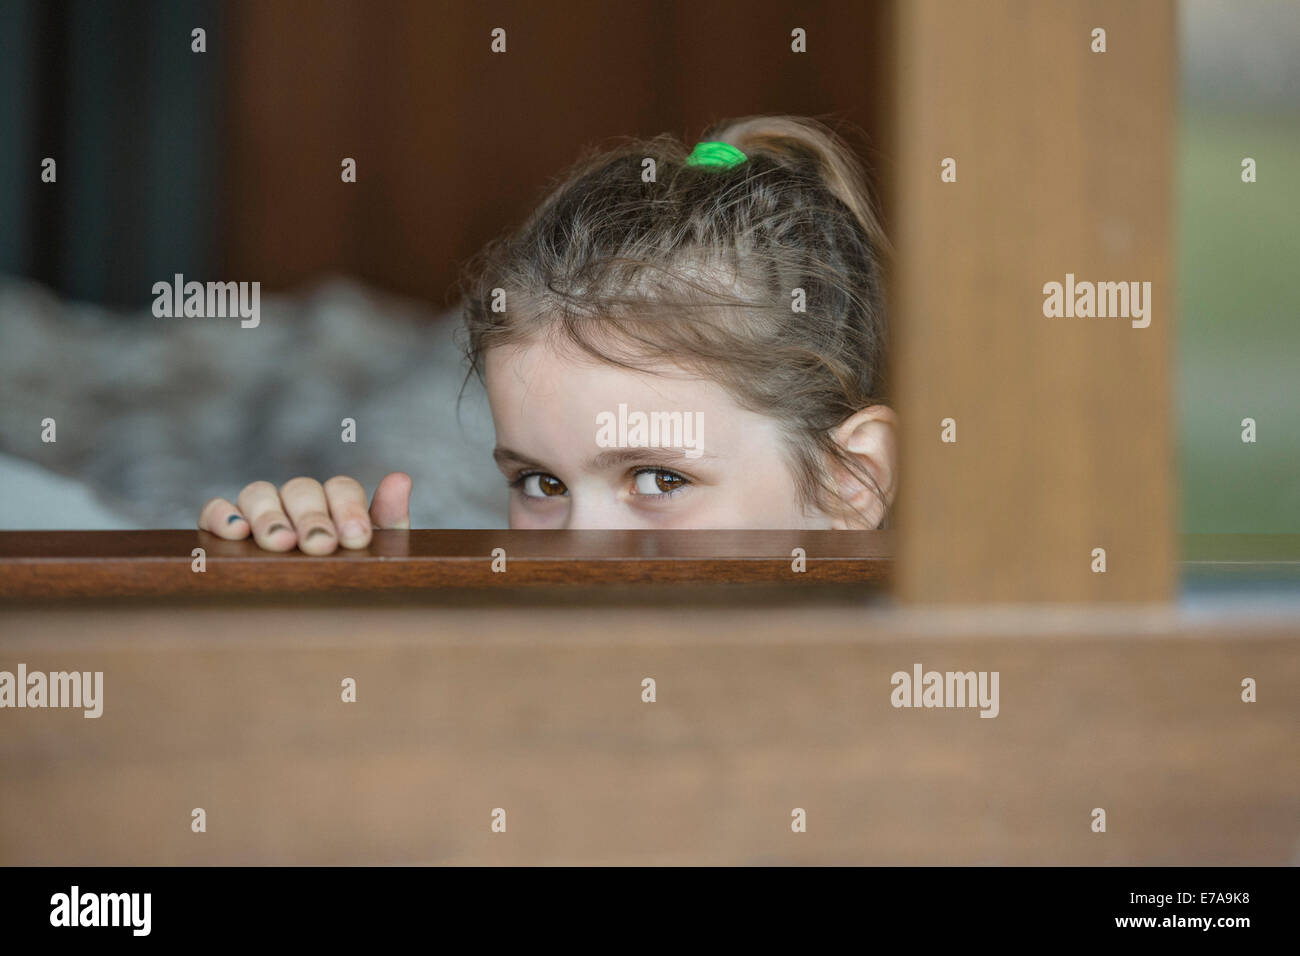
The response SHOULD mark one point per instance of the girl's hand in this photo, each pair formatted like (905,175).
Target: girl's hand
(315,517)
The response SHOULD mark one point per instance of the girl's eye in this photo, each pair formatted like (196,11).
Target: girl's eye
(541,485)
(656,481)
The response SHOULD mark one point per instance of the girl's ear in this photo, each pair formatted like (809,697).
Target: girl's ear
(869,438)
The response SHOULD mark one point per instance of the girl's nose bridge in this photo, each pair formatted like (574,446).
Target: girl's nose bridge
(594,506)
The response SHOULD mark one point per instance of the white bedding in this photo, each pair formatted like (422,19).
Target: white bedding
(32,498)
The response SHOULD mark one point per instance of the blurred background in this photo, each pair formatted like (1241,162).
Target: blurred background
(1237,254)
(225,165)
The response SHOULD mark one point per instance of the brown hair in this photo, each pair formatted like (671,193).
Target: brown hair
(698,268)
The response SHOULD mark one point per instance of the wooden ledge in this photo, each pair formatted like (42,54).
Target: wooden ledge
(41,564)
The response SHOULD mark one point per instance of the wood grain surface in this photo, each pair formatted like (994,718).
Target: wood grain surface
(40,564)
(538,710)
(1064,426)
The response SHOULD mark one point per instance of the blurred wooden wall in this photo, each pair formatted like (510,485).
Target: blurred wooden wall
(454,143)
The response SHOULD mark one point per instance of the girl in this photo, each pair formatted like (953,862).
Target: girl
(675,339)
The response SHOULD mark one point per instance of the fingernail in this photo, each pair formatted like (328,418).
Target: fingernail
(277,527)
(353,531)
(317,532)
(233,518)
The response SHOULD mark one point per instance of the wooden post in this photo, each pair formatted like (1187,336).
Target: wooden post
(1064,165)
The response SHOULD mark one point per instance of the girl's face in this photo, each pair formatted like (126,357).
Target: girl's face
(575,459)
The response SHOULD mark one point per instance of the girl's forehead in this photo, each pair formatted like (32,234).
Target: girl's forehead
(541,397)
(539,367)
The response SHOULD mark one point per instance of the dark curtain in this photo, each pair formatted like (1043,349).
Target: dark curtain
(114,94)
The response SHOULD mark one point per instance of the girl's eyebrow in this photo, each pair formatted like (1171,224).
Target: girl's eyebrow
(649,456)
(505,457)
(508,457)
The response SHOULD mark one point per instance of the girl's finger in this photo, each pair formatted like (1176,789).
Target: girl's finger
(347,504)
(260,504)
(224,520)
(391,507)
(304,501)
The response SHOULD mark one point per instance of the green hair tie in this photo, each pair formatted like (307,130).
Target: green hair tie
(716,154)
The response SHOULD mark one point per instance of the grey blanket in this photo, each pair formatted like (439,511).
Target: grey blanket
(154,416)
